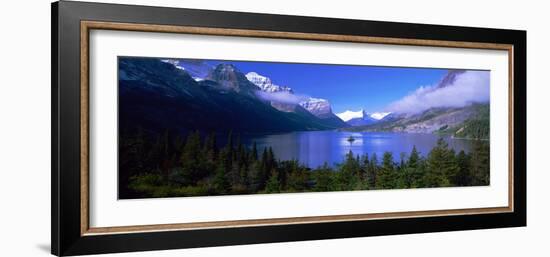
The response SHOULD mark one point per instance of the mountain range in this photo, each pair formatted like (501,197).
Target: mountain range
(158,95)
(471,121)
(321,108)
(284,99)
(467,121)
(185,94)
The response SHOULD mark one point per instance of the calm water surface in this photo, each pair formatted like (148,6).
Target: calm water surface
(313,148)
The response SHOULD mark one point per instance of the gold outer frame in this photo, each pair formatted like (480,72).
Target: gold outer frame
(87,26)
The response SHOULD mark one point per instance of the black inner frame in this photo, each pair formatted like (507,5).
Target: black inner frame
(65,83)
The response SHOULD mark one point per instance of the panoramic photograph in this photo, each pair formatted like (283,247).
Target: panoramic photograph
(201,127)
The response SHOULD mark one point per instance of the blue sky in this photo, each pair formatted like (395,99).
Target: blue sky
(347,87)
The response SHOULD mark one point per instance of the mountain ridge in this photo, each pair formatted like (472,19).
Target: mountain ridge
(157,95)
(169,93)
(471,121)
(316,106)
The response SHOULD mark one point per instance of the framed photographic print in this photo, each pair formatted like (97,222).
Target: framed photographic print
(178,128)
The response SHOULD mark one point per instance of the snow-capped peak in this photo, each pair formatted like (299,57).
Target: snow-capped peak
(379,115)
(257,78)
(317,106)
(265,84)
(173,62)
(170,61)
(348,115)
(312,100)
(197,69)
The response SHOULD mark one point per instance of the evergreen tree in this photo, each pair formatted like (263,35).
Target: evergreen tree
(166,143)
(221,183)
(245,180)
(386,177)
(133,157)
(372,170)
(155,154)
(480,163)
(210,153)
(402,163)
(179,142)
(254,152)
(235,173)
(191,160)
(267,166)
(414,158)
(229,145)
(402,175)
(298,178)
(137,149)
(255,176)
(415,169)
(270,161)
(273,185)
(284,169)
(440,165)
(229,148)
(365,162)
(264,160)
(463,175)
(210,148)
(242,156)
(165,153)
(348,177)
(324,179)
(238,164)
(452,167)
(257,173)
(239,152)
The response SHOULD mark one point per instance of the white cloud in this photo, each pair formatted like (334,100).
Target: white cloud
(282,97)
(468,87)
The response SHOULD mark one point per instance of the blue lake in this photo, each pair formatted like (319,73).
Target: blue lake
(314,148)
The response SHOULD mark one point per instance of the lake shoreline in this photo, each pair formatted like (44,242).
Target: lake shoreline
(314,148)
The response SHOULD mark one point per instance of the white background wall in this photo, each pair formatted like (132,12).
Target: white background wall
(25,127)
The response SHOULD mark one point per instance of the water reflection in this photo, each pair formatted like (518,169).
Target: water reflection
(313,148)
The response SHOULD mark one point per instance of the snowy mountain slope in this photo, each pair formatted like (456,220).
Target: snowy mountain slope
(348,115)
(361,117)
(379,115)
(284,99)
(317,106)
(265,83)
(197,69)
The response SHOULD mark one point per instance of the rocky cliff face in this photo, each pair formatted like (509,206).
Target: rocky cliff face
(265,84)
(321,108)
(229,77)
(318,107)
(449,78)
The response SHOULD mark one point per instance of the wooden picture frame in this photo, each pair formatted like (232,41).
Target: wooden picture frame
(71,26)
